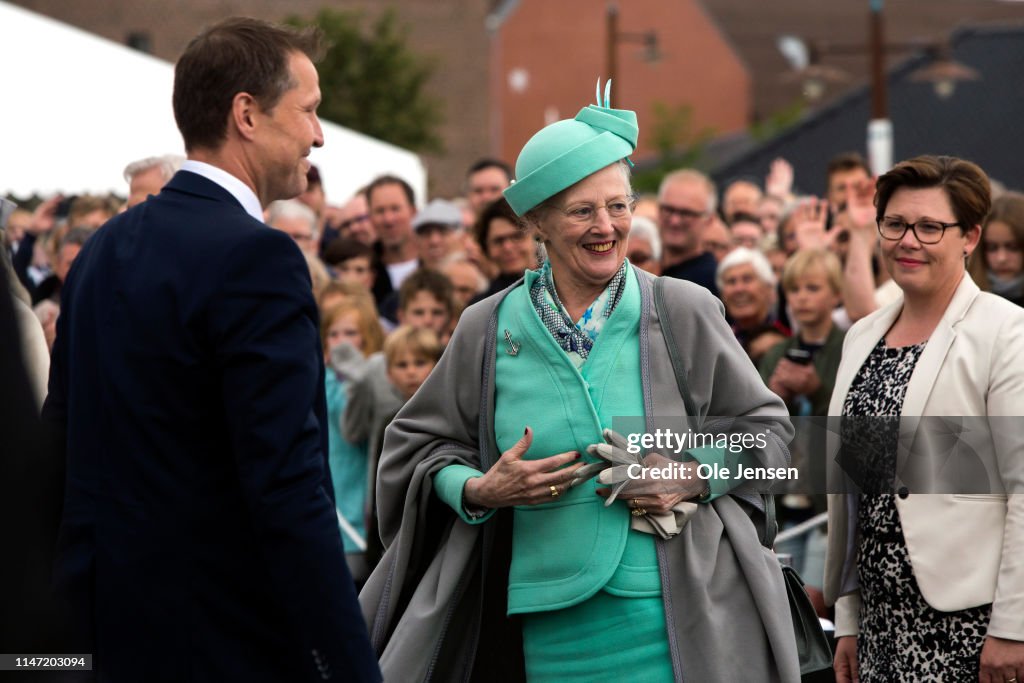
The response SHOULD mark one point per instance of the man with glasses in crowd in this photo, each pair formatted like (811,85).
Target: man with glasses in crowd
(686,206)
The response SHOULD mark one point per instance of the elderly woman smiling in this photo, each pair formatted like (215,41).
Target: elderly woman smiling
(503,560)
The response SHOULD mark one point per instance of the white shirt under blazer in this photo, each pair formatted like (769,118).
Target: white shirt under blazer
(965,550)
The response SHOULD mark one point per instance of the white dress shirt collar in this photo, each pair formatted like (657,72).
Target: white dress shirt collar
(239,190)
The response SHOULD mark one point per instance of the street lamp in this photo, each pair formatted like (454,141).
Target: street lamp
(649,39)
(879,127)
(942,71)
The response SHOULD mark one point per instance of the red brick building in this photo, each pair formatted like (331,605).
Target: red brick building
(547,57)
(717,55)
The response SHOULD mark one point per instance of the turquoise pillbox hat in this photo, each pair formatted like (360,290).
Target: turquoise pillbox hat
(564,153)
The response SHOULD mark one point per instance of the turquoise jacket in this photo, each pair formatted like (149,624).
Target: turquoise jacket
(565,551)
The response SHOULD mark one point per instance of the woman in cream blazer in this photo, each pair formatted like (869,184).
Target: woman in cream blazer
(959,352)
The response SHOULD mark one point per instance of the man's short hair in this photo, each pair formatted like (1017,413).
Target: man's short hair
(236,55)
(390,180)
(486,163)
(169,164)
(847,161)
(689,175)
(84,204)
(77,236)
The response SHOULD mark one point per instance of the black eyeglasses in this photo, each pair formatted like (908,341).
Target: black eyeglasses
(685,214)
(926,232)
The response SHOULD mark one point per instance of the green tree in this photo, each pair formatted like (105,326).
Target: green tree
(371,82)
(679,145)
(778,122)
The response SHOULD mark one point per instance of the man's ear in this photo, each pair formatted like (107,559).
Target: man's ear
(244,109)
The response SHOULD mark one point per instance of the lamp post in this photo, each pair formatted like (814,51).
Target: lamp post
(943,73)
(649,39)
(879,127)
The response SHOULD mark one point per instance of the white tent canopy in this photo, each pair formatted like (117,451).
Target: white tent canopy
(78,108)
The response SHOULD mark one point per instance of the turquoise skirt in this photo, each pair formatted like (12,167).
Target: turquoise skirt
(605,638)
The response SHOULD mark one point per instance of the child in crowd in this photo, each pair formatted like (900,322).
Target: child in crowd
(410,354)
(425,299)
(352,261)
(425,302)
(337,292)
(349,331)
(802,371)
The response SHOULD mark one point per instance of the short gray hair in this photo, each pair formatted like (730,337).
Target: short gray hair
(169,164)
(645,228)
(456,259)
(291,208)
(742,256)
(689,175)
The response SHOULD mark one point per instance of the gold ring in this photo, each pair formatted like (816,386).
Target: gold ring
(555,493)
(639,512)
(636,504)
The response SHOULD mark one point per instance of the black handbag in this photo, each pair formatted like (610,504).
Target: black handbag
(811,643)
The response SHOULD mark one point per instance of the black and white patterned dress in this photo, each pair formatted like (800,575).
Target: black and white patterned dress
(901,637)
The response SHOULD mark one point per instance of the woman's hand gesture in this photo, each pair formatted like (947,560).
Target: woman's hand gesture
(515,481)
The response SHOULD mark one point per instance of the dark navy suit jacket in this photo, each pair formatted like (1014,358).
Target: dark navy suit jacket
(199,540)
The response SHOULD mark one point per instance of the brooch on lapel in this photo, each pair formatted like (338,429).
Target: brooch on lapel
(513,348)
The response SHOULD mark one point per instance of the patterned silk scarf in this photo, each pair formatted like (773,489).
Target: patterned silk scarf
(576,339)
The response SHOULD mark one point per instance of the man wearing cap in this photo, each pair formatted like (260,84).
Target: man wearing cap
(437,228)
(541,573)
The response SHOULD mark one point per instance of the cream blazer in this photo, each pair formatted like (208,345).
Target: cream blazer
(965,550)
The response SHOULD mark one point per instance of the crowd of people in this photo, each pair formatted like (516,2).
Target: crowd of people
(432,324)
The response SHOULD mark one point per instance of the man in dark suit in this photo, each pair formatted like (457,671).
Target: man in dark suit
(199,540)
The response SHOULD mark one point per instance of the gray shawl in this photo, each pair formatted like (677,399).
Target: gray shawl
(435,605)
